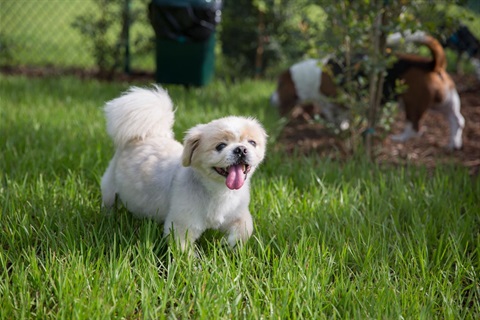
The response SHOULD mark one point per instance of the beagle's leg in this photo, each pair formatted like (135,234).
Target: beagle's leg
(455,120)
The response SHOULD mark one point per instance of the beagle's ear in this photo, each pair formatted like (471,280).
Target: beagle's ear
(190,144)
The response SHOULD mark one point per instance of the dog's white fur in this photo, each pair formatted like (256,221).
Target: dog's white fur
(307,76)
(156,177)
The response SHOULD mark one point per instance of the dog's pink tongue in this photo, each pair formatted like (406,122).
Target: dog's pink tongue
(235,178)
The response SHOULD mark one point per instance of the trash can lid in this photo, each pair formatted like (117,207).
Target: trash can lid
(206,4)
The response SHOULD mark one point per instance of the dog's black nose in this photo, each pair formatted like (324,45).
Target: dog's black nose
(240,151)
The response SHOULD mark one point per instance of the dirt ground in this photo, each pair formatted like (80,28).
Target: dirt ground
(306,136)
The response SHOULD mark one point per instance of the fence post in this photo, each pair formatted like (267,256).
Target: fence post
(126,35)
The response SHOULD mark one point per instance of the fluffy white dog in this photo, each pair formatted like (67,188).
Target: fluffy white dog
(200,185)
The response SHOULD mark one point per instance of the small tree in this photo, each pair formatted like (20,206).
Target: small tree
(107,33)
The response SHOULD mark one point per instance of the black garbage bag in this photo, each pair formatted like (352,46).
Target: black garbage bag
(184,20)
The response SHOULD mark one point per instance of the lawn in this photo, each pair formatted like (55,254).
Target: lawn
(332,240)
(35,32)
(41,33)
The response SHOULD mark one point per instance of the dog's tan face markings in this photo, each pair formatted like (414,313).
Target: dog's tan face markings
(190,144)
(224,148)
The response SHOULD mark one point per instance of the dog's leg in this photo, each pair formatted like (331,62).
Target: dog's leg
(414,109)
(183,236)
(456,122)
(239,230)
(327,111)
(408,133)
(108,186)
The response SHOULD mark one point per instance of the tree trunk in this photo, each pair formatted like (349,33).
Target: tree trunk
(376,76)
(260,45)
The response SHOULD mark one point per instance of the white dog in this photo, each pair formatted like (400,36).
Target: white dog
(201,185)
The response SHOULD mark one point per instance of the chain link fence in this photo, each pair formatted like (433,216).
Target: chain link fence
(55,33)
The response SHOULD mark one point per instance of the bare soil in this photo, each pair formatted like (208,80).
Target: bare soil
(304,136)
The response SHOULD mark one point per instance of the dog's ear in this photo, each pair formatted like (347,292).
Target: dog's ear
(190,144)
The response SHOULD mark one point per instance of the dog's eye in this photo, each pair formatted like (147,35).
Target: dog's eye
(253,143)
(220,146)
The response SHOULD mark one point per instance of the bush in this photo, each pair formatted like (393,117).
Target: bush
(260,37)
(107,34)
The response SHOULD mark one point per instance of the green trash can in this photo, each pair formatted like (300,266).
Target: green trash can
(185,40)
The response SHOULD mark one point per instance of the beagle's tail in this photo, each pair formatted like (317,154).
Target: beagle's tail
(420,37)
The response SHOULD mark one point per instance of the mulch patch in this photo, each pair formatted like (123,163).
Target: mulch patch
(304,136)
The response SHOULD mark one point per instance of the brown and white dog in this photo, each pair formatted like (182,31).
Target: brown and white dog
(428,87)
(307,82)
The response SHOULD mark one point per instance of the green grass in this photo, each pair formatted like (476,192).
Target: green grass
(331,240)
(41,32)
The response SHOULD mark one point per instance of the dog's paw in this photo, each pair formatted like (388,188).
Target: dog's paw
(405,136)
(408,133)
(453,147)
(397,138)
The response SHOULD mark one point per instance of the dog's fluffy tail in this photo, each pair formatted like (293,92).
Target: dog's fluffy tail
(139,113)
(436,49)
